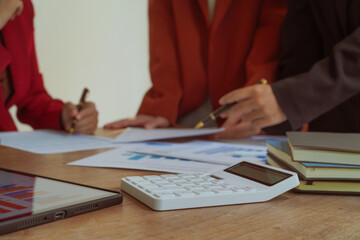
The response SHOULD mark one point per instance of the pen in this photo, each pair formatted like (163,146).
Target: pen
(79,107)
(212,116)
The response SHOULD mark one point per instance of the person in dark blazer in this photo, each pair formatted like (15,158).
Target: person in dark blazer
(319,75)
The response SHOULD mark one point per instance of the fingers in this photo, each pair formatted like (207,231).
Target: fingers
(142,120)
(68,113)
(157,122)
(87,110)
(138,121)
(87,119)
(237,95)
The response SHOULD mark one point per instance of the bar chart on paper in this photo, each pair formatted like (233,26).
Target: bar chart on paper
(211,152)
(121,158)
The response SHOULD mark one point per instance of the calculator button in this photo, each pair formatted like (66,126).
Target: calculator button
(159,181)
(146,186)
(179,181)
(171,188)
(169,176)
(167,185)
(201,182)
(184,194)
(194,187)
(138,183)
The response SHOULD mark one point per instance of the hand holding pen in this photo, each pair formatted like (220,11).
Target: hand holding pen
(81,118)
(226,106)
(256,108)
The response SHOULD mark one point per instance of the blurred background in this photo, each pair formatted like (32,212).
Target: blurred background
(102,45)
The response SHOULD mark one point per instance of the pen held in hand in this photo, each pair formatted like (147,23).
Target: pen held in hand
(79,107)
(215,114)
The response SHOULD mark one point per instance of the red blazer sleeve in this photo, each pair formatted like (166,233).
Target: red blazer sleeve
(264,55)
(164,96)
(37,108)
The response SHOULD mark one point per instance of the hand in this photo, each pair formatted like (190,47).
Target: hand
(9,9)
(257,108)
(87,118)
(141,120)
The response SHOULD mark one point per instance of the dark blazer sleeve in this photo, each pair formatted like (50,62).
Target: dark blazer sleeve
(328,83)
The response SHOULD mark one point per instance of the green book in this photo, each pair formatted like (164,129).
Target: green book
(323,147)
(321,186)
(279,150)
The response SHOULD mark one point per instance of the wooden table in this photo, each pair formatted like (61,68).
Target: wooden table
(289,216)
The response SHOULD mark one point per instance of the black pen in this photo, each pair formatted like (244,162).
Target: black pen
(212,116)
(79,107)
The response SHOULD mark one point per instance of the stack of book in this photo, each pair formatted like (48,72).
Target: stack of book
(325,162)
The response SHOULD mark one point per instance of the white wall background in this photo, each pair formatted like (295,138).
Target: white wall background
(100,44)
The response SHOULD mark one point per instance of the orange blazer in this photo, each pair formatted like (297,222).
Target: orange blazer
(191,57)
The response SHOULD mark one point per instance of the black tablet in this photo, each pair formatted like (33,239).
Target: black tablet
(27,200)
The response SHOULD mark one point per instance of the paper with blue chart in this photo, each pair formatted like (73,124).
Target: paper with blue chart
(206,151)
(121,158)
(48,141)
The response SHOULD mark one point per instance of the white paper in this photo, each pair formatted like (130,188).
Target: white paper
(206,151)
(141,134)
(121,158)
(48,141)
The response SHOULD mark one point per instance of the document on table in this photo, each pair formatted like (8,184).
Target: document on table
(121,158)
(141,134)
(207,151)
(49,141)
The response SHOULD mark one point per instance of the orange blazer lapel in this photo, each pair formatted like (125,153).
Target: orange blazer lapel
(205,10)
(221,8)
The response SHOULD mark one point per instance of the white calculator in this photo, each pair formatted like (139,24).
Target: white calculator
(244,182)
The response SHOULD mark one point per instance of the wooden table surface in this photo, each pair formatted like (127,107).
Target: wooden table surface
(289,216)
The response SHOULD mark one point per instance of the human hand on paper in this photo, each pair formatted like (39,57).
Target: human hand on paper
(86,119)
(256,108)
(9,9)
(141,120)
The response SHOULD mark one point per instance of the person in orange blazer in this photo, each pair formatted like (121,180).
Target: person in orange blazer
(194,56)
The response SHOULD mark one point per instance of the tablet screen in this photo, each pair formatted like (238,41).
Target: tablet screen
(25,195)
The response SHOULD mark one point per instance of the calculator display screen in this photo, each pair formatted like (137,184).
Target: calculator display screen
(258,173)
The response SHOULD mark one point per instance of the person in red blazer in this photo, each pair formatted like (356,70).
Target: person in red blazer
(194,56)
(22,84)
